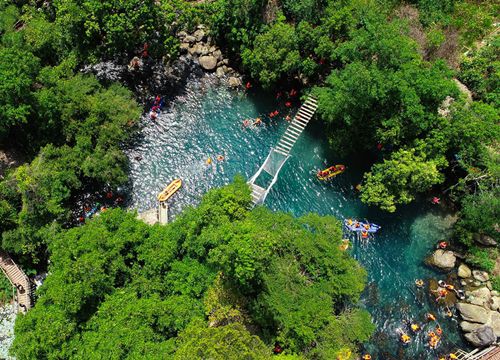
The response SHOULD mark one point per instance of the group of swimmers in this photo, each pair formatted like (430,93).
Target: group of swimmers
(434,336)
(220,158)
(258,121)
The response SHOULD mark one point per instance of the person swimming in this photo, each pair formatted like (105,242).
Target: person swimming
(257,122)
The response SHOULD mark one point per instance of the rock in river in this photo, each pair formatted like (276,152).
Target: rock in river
(464,271)
(208,62)
(443,259)
(473,313)
(481,337)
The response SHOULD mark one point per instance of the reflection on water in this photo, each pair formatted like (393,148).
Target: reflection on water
(206,121)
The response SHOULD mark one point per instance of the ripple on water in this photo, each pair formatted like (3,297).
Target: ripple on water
(206,120)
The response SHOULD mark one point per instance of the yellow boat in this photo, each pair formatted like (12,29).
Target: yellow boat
(331,172)
(170,190)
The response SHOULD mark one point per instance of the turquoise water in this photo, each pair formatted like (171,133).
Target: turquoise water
(205,120)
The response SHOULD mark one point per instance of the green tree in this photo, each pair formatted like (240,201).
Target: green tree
(397,180)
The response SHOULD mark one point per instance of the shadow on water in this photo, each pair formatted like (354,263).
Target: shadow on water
(205,121)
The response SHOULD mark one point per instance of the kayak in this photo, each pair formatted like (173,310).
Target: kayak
(170,190)
(331,172)
(372,228)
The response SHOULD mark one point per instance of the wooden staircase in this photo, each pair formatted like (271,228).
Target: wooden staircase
(18,279)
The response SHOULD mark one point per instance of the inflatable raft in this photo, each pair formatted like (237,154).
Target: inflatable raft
(170,190)
(354,225)
(331,172)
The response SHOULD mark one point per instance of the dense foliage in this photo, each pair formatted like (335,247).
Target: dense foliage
(219,281)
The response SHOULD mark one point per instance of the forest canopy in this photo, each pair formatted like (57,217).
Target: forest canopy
(218,280)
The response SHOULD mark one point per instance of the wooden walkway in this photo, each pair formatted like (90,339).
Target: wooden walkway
(279,154)
(18,279)
(490,353)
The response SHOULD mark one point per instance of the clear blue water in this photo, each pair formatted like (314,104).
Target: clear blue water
(206,121)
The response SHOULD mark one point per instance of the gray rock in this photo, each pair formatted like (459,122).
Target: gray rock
(219,72)
(204,50)
(464,271)
(473,313)
(443,259)
(230,70)
(189,39)
(200,27)
(481,294)
(468,326)
(463,282)
(481,337)
(480,275)
(495,322)
(218,54)
(234,81)
(208,62)
(488,285)
(476,283)
(184,48)
(484,240)
(494,293)
(193,50)
(199,35)
(182,34)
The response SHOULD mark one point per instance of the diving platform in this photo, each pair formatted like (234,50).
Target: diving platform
(279,154)
(163,212)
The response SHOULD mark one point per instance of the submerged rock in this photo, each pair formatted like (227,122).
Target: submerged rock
(443,259)
(481,337)
(464,271)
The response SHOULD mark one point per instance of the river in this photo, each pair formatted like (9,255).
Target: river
(205,120)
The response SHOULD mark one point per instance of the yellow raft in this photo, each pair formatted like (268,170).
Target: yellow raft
(170,190)
(331,172)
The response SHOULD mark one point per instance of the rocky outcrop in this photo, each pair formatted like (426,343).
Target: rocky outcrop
(198,47)
(480,308)
(443,259)
(482,336)
(464,271)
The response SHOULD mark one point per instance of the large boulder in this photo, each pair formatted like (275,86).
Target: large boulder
(468,326)
(481,296)
(443,259)
(208,62)
(480,275)
(481,337)
(473,313)
(464,271)
(484,240)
